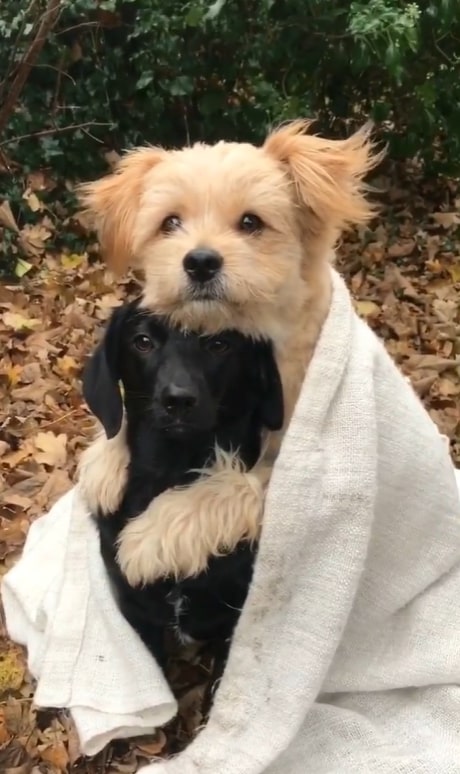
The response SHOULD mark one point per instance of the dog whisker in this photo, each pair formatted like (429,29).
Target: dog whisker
(237,609)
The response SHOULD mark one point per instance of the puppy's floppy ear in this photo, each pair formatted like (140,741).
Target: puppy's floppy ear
(270,388)
(113,204)
(100,377)
(328,174)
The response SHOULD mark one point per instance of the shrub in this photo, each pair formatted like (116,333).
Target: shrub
(116,73)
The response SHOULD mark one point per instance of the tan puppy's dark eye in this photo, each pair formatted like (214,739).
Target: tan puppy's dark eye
(143,343)
(170,224)
(217,346)
(250,223)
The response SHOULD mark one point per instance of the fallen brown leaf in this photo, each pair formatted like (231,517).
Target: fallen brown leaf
(401,248)
(14,498)
(12,670)
(36,181)
(56,754)
(51,448)
(18,322)
(14,759)
(56,484)
(33,239)
(433,362)
(13,459)
(5,735)
(423,386)
(454,271)
(154,747)
(33,201)
(367,308)
(446,219)
(6,216)
(34,392)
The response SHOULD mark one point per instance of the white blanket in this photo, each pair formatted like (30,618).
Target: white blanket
(85,656)
(346,658)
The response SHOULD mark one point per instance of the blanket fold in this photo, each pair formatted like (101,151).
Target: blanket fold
(346,658)
(84,655)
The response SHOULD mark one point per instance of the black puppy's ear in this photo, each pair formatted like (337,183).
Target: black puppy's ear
(271,388)
(101,375)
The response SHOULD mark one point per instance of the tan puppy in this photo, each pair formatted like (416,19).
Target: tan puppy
(267,218)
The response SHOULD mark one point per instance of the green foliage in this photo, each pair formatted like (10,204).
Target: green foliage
(125,72)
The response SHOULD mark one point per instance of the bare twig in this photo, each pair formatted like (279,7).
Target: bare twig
(5,162)
(93,136)
(57,89)
(80,26)
(47,23)
(187,129)
(11,69)
(55,130)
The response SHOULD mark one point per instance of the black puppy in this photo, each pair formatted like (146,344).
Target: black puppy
(183,394)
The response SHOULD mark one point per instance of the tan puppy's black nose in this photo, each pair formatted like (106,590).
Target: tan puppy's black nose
(202,264)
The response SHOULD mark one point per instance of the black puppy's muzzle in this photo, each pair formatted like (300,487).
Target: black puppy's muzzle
(181,407)
(178,402)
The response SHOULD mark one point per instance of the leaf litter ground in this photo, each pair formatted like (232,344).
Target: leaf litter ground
(404,273)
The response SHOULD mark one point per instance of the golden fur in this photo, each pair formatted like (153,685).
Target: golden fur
(103,471)
(276,283)
(226,507)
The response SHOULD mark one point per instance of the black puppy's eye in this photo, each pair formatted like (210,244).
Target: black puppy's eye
(143,343)
(250,223)
(217,346)
(170,224)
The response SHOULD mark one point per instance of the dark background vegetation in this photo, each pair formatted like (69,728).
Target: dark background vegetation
(172,72)
(79,78)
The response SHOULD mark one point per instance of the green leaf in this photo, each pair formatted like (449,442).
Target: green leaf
(144,81)
(182,85)
(194,16)
(22,267)
(214,10)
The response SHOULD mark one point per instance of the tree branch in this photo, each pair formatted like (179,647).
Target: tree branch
(47,23)
(55,130)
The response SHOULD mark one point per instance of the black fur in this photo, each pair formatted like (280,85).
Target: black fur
(182,394)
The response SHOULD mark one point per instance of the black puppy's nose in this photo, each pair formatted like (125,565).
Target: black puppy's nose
(202,264)
(178,400)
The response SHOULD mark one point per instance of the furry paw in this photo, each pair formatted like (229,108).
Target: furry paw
(183,527)
(103,472)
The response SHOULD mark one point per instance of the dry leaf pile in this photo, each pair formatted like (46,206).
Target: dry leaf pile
(404,273)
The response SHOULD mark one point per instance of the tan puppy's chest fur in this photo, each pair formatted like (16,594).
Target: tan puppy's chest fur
(274,283)
(301,332)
